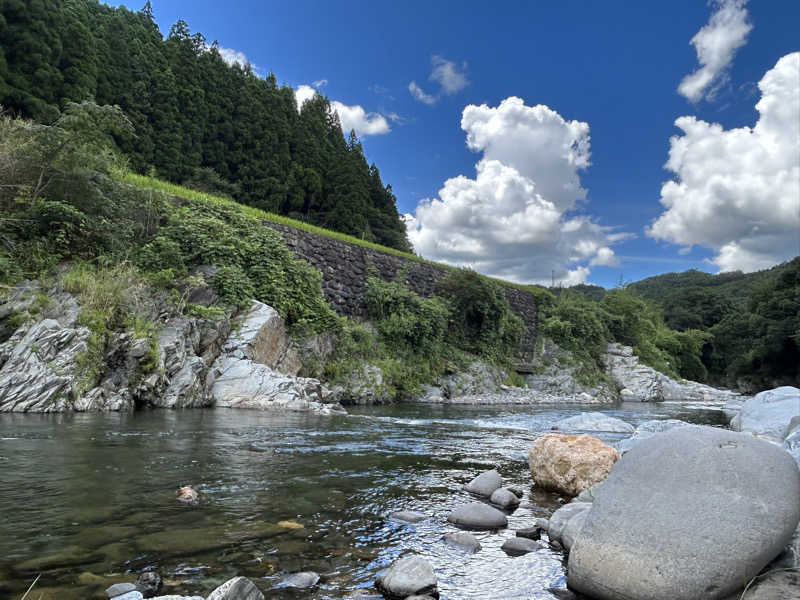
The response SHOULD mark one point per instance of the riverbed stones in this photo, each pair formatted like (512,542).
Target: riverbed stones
(238,588)
(407,576)
(593,421)
(531,533)
(504,498)
(569,464)
(769,413)
(485,483)
(149,584)
(517,546)
(462,540)
(478,516)
(408,516)
(692,513)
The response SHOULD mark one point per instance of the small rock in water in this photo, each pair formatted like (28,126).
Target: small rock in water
(305,579)
(118,589)
(517,546)
(290,525)
(188,495)
(149,584)
(406,577)
(408,516)
(478,515)
(238,588)
(485,483)
(504,498)
(463,541)
(532,533)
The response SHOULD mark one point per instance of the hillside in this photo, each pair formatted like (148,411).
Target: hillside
(196,120)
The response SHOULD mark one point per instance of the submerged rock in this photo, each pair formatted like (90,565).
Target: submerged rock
(593,421)
(188,495)
(406,577)
(532,533)
(478,516)
(657,524)
(149,584)
(304,579)
(462,540)
(569,464)
(485,483)
(408,516)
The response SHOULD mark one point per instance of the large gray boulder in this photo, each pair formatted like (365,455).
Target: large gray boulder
(593,421)
(567,522)
(689,514)
(647,430)
(406,577)
(478,516)
(769,413)
(261,337)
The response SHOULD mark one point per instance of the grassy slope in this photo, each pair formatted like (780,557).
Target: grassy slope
(151,183)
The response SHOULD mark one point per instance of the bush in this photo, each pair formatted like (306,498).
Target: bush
(481,320)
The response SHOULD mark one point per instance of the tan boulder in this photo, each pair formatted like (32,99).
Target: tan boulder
(570,464)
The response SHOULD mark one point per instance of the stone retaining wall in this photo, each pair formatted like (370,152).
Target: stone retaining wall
(345,267)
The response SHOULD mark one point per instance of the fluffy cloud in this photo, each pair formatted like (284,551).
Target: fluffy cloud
(716,44)
(512,220)
(737,191)
(450,77)
(352,117)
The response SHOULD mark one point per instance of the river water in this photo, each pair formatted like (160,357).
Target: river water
(87,497)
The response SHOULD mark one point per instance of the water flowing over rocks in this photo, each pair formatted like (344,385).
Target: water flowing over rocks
(691,513)
(569,464)
(408,576)
(638,382)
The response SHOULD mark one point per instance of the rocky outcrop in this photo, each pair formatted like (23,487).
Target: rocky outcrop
(640,383)
(556,374)
(506,395)
(363,386)
(657,524)
(190,362)
(569,464)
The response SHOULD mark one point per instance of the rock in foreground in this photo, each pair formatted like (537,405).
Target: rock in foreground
(406,577)
(238,588)
(569,464)
(689,514)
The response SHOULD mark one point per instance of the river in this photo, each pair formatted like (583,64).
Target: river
(83,495)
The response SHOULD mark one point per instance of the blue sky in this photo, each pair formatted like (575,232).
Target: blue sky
(614,66)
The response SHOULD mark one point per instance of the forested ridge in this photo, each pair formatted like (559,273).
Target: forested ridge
(196,120)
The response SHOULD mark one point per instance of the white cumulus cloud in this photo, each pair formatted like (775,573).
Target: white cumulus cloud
(351,117)
(737,191)
(716,44)
(231,56)
(512,220)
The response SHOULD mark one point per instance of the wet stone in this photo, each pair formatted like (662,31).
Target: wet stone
(517,546)
(531,533)
(478,515)
(462,540)
(408,516)
(305,579)
(118,589)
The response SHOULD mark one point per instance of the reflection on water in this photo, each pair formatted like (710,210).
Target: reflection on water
(91,495)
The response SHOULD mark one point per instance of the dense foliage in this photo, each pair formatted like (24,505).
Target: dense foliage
(195,119)
(61,203)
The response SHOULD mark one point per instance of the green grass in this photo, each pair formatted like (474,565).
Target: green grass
(151,183)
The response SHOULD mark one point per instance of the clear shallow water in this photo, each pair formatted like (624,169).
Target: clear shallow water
(92,495)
